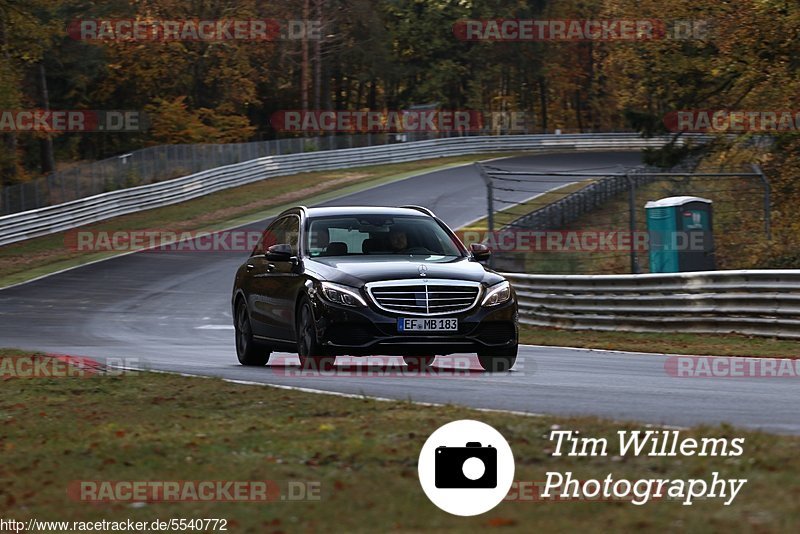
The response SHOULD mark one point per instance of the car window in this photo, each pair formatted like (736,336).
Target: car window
(352,237)
(291,235)
(283,230)
(272,236)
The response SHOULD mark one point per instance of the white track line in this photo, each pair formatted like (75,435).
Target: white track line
(637,353)
(384,399)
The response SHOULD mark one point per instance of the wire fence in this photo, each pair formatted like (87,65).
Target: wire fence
(159,163)
(590,198)
(592,225)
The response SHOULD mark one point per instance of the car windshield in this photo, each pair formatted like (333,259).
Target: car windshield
(360,235)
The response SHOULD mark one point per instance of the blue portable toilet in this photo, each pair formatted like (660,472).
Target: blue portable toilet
(681,234)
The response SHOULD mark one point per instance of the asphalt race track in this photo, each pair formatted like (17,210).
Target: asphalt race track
(171,311)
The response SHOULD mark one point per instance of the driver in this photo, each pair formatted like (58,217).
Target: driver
(398,240)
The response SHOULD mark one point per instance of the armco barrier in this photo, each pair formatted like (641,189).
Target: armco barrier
(757,302)
(60,217)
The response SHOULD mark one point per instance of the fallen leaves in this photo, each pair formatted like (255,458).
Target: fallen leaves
(496,522)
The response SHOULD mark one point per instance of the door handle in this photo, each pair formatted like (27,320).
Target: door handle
(270,267)
(250,267)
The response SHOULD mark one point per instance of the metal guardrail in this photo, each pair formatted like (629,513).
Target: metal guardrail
(158,163)
(43,221)
(754,302)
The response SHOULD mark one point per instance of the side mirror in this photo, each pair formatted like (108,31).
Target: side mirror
(280,252)
(480,251)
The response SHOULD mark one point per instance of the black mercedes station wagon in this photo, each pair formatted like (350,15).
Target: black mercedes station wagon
(371,280)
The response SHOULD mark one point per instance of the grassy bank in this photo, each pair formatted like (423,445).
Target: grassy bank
(664,342)
(362,452)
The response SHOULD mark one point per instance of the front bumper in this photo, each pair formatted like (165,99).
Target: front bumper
(367,331)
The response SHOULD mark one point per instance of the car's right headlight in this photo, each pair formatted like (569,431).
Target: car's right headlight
(338,294)
(497,294)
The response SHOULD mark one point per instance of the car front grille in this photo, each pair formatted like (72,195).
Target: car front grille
(431,297)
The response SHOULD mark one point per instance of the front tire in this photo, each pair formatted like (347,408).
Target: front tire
(498,360)
(248,350)
(309,350)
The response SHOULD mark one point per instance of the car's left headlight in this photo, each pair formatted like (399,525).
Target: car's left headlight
(497,294)
(347,296)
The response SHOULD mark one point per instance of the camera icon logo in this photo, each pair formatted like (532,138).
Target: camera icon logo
(472,466)
(466,467)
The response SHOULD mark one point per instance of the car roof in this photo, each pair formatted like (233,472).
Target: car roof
(362,210)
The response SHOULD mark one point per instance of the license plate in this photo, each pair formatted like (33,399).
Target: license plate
(427,325)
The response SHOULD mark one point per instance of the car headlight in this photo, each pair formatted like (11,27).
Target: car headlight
(497,294)
(346,296)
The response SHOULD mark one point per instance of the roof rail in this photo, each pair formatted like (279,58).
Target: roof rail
(301,209)
(424,210)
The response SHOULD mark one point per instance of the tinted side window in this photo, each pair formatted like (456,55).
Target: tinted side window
(273,235)
(283,231)
(291,233)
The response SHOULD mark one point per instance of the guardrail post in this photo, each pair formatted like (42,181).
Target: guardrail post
(632,222)
(489,195)
(767,201)
(489,200)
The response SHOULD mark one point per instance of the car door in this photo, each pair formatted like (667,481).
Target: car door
(286,282)
(276,283)
(259,290)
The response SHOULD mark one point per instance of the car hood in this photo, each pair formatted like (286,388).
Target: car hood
(356,271)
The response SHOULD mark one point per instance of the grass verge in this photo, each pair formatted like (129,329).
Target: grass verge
(562,262)
(232,207)
(511,213)
(362,452)
(663,342)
